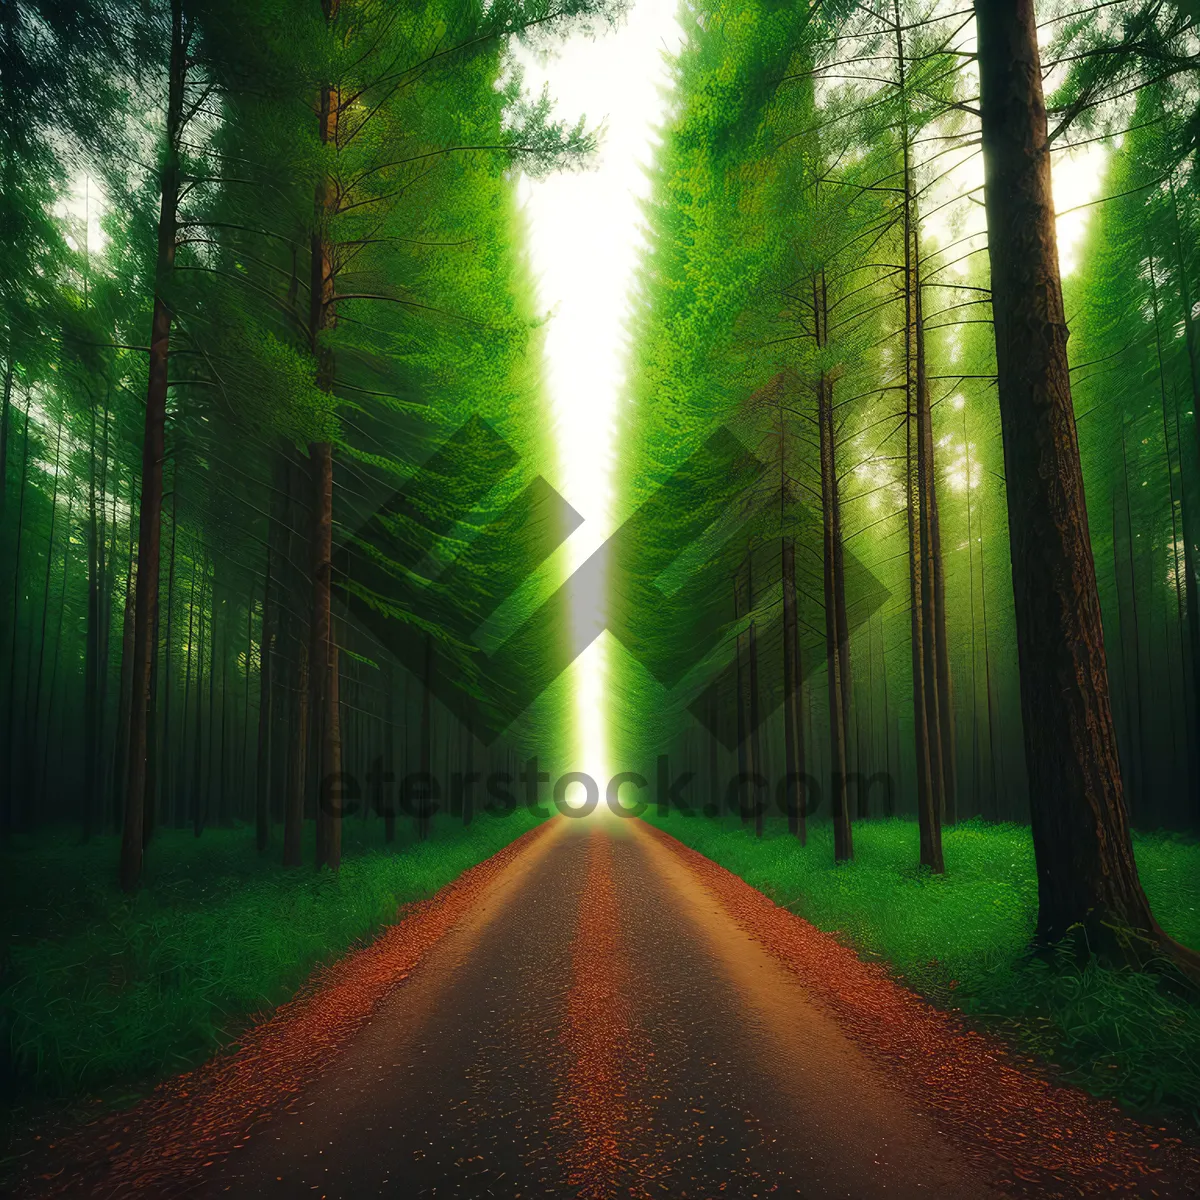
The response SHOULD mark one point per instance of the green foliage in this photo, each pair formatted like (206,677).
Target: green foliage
(782,167)
(962,939)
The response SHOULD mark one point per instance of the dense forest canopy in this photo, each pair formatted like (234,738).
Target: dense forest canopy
(843,197)
(273,427)
(259,264)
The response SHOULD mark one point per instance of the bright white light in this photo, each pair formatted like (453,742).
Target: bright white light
(584,242)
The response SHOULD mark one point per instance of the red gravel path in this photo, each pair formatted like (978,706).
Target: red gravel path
(597,1036)
(1055,1141)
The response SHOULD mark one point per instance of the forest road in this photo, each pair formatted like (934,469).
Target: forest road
(603,1024)
(598,1011)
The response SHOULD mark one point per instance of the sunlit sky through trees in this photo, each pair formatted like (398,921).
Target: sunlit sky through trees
(585,233)
(584,237)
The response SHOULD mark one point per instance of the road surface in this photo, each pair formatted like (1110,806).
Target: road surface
(606,1014)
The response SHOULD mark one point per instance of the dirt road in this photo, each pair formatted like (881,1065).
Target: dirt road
(606,1014)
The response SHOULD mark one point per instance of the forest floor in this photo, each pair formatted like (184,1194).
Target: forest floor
(102,994)
(962,941)
(599,1011)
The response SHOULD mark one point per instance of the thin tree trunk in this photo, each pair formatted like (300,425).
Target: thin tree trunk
(266,649)
(121,744)
(976,778)
(323,664)
(91,664)
(150,786)
(793,676)
(425,741)
(198,732)
(937,654)
(742,755)
(211,748)
(931,745)
(5,408)
(1082,844)
(836,643)
(756,767)
(166,791)
(389,747)
(153,449)
(293,815)
(1186,614)
(6,801)
(179,798)
(33,730)
(44,773)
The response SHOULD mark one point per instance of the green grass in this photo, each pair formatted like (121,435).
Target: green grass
(963,939)
(99,989)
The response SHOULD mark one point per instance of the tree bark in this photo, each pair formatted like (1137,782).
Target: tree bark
(425,743)
(124,689)
(266,649)
(153,447)
(179,801)
(756,754)
(198,731)
(743,756)
(389,747)
(793,676)
(937,657)
(5,408)
(836,639)
(165,790)
(323,659)
(91,660)
(1087,876)
(32,723)
(293,815)
(9,781)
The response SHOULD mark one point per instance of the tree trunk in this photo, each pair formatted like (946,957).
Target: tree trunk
(44,773)
(5,408)
(927,730)
(426,742)
(756,765)
(793,675)
(33,728)
(180,797)
(836,643)
(198,732)
(165,790)
(468,798)
(150,788)
(323,660)
(293,814)
(121,743)
(936,651)
(9,782)
(744,765)
(266,649)
(1082,845)
(91,663)
(389,747)
(1181,514)
(153,446)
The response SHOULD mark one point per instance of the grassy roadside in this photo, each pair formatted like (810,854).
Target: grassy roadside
(962,940)
(99,989)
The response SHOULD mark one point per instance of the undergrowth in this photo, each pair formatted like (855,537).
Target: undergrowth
(963,939)
(97,988)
